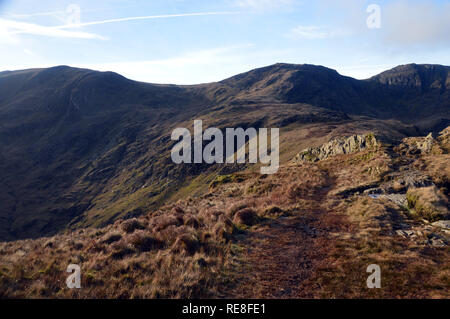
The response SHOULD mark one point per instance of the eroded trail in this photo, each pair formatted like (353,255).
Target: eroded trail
(281,256)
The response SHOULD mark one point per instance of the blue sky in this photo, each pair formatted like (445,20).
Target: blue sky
(187,42)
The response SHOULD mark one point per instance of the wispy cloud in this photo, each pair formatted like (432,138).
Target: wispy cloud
(5,37)
(11,27)
(315,32)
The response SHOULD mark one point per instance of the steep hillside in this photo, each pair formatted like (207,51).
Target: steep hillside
(427,77)
(68,135)
(309,231)
(423,91)
(84,148)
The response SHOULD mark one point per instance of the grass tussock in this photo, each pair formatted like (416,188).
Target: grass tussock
(427,203)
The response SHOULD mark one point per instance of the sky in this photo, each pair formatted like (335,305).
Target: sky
(198,41)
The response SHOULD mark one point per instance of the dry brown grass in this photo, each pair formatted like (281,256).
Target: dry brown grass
(166,255)
(408,270)
(230,242)
(179,251)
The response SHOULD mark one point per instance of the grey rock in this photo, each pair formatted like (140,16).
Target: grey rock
(442,223)
(411,178)
(399,199)
(417,145)
(437,242)
(406,233)
(338,145)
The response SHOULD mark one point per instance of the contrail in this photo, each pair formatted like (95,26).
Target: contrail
(146,18)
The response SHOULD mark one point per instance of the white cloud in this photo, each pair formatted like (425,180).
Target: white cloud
(6,37)
(315,32)
(28,52)
(412,23)
(15,27)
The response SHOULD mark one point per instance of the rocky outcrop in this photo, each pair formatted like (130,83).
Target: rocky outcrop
(338,145)
(425,145)
(444,139)
(416,145)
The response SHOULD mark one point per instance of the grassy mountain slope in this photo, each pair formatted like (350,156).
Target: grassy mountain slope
(309,231)
(84,148)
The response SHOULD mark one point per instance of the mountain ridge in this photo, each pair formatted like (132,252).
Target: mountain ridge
(83,148)
(324,87)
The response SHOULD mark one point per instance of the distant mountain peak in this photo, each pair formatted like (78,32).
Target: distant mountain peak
(424,76)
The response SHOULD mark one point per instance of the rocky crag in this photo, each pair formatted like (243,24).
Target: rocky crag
(338,145)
